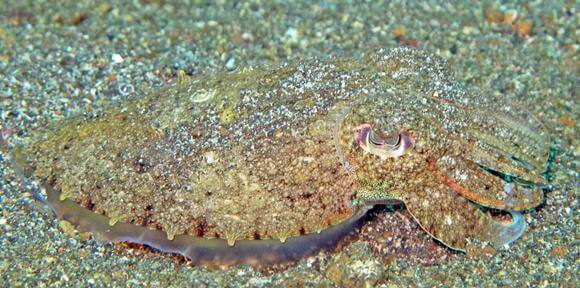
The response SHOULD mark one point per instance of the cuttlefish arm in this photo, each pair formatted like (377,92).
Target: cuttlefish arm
(495,133)
(451,218)
(480,186)
(494,159)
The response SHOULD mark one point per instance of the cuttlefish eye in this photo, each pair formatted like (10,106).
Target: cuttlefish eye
(382,144)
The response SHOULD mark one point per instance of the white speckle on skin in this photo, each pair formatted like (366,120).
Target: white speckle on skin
(448,220)
(210,157)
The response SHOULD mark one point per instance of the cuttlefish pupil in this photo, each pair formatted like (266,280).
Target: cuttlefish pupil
(382,144)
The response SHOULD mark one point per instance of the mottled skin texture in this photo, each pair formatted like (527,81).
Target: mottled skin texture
(272,153)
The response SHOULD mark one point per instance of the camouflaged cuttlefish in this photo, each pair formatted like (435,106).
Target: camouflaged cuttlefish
(269,165)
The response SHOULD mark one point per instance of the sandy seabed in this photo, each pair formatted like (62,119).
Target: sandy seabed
(61,59)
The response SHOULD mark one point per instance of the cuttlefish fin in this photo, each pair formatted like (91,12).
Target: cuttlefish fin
(473,182)
(452,219)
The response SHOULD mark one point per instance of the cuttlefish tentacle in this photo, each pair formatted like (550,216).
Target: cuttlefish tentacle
(458,221)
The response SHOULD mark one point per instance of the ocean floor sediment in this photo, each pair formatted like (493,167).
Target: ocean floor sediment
(61,60)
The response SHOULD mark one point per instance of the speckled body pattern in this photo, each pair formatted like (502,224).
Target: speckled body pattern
(272,153)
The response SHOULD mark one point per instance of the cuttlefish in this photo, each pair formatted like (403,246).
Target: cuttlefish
(273,164)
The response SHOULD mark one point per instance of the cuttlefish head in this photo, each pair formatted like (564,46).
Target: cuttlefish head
(445,160)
